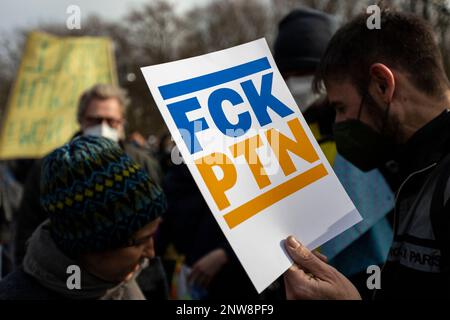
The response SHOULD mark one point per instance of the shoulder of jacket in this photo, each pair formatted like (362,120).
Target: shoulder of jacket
(18,285)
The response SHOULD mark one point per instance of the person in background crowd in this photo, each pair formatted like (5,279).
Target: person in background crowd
(165,151)
(101,112)
(103,213)
(10,195)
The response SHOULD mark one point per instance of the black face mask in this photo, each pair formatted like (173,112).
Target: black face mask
(361,145)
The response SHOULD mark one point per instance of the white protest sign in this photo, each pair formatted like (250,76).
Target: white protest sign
(252,155)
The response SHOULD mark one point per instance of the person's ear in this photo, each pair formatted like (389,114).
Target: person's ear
(382,83)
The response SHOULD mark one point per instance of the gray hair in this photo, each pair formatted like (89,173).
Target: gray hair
(102,91)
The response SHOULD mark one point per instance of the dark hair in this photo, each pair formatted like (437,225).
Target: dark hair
(404,42)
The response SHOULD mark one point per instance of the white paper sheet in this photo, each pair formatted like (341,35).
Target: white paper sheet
(230,96)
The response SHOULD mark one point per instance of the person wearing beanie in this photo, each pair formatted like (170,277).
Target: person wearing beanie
(101,112)
(302,38)
(103,213)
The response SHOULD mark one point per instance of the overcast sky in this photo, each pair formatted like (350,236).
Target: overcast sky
(24,13)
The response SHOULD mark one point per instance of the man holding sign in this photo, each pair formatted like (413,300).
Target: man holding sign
(252,155)
(391,100)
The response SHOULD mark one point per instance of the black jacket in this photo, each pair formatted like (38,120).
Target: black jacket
(18,285)
(417,265)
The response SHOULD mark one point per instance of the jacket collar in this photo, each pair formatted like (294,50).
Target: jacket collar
(427,146)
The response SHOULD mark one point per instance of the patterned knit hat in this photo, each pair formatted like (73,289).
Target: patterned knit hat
(96,196)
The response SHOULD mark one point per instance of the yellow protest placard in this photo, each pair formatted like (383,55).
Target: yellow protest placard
(54,71)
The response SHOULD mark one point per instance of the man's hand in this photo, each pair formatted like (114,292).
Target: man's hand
(312,278)
(205,269)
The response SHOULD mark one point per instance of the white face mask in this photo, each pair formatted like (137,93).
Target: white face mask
(301,89)
(102,130)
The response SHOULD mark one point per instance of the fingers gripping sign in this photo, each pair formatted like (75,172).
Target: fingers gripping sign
(311,278)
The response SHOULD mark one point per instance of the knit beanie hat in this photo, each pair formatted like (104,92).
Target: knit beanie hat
(302,39)
(96,196)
